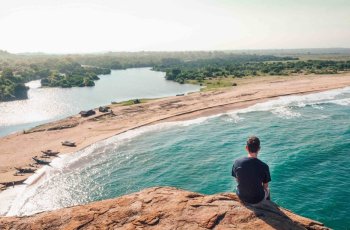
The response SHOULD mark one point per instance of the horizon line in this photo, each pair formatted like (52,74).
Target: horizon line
(172,51)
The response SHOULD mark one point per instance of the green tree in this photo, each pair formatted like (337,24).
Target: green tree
(7,73)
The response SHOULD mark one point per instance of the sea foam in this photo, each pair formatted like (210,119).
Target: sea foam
(283,106)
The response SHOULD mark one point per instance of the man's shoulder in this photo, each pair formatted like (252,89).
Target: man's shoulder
(255,161)
(263,163)
(241,159)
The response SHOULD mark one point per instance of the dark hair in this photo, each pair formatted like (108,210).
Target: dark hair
(253,144)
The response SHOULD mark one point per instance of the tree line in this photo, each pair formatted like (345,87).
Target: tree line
(199,70)
(53,71)
(83,70)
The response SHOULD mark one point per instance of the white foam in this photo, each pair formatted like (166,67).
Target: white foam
(344,101)
(8,196)
(283,106)
(234,117)
(285,112)
(193,121)
(301,104)
(316,106)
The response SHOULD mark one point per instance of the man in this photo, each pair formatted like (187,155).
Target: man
(252,175)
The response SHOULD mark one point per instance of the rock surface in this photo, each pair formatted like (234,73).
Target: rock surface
(165,208)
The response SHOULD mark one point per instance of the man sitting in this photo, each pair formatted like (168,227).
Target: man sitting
(252,174)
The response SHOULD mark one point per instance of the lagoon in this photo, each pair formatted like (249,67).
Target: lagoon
(49,104)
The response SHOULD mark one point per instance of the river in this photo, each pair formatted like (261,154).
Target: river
(48,104)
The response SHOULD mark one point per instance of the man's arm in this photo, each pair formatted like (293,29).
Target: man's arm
(233,171)
(267,178)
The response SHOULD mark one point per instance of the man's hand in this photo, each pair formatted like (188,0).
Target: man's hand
(266,185)
(267,190)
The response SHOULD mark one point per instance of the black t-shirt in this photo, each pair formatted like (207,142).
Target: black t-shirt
(250,174)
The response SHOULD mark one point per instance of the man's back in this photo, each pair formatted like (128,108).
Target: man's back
(251,173)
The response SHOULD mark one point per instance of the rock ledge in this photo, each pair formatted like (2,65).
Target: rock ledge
(165,208)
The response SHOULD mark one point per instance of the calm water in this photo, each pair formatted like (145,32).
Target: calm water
(305,140)
(47,104)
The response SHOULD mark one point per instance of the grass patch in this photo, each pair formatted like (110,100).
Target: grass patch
(214,83)
(132,102)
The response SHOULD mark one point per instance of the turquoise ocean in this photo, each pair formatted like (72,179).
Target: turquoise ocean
(305,141)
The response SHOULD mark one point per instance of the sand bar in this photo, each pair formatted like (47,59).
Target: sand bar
(17,150)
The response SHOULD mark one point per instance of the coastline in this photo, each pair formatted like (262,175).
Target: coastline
(16,150)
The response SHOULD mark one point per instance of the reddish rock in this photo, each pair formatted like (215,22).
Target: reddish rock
(165,208)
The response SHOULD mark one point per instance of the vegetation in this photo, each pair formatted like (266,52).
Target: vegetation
(201,70)
(11,87)
(123,60)
(71,74)
(54,71)
(212,69)
(213,83)
(134,101)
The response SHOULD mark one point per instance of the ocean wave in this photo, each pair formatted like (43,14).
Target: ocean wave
(283,106)
(316,106)
(199,120)
(233,117)
(344,101)
(285,112)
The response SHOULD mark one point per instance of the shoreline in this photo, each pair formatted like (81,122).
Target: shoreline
(13,197)
(87,131)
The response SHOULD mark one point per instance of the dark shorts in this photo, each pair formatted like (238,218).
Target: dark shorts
(266,196)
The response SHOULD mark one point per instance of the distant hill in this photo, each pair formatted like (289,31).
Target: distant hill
(295,52)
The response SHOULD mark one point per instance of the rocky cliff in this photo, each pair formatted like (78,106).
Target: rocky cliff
(165,208)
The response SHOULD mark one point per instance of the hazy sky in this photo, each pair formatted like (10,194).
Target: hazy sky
(61,26)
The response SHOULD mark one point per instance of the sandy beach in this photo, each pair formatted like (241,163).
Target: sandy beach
(17,150)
